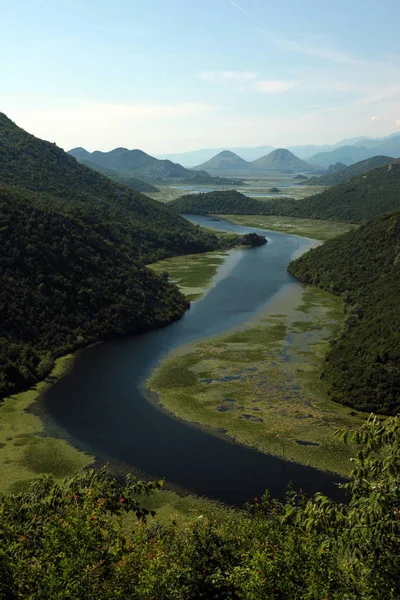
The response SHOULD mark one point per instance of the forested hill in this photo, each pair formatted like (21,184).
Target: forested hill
(229,202)
(346,173)
(66,283)
(361,199)
(151,229)
(363,363)
(136,184)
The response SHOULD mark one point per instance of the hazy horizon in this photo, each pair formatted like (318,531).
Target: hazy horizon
(176,77)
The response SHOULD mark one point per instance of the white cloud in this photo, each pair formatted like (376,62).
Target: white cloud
(228,76)
(249,80)
(374,119)
(274,86)
(398,123)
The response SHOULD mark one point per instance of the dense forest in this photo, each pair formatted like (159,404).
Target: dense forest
(136,184)
(73,249)
(363,266)
(361,199)
(65,283)
(344,173)
(229,202)
(152,230)
(86,539)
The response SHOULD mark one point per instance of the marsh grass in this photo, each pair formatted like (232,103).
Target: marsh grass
(254,188)
(311,228)
(193,273)
(262,384)
(24,451)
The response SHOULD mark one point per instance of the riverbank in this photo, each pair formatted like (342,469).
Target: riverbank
(261,384)
(24,452)
(310,228)
(193,274)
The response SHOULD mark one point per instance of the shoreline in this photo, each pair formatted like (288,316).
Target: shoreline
(26,453)
(31,439)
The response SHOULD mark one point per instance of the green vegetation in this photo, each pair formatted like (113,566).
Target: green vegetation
(24,451)
(192,273)
(318,230)
(362,198)
(261,385)
(346,173)
(74,245)
(87,538)
(136,184)
(223,202)
(363,266)
(145,228)
(66,283)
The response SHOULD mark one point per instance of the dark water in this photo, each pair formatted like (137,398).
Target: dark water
(99,405)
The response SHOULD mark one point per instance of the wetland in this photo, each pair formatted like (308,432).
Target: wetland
(105,408)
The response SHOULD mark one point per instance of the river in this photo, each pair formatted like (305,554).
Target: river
(101,406)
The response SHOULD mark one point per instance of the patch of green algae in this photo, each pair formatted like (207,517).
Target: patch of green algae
(312,228)
(24,452)
(192,273)
(261,384)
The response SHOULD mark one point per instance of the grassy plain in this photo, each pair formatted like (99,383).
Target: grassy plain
(24,452)
(318,230)
(255,188)
(261,384)
(193,273)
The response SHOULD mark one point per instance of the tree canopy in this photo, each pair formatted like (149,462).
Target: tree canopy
(363,266)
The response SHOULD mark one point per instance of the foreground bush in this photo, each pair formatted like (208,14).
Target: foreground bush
(71,540)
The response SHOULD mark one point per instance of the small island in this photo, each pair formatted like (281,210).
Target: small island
(252,239)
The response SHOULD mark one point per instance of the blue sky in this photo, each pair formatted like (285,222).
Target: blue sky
(176,75)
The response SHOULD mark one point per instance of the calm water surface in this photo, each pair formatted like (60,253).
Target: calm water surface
(101,405)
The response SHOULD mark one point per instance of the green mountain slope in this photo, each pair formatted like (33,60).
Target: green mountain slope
(126,163)
(151,229)
(65,283)
(345,154)
(346,173)
(73,248)
(280,160)
(363,363)
(225,161)
(135,184)
(229,202)
(362,198)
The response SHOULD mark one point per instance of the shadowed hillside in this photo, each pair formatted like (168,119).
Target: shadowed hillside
(343,173)
(363,363)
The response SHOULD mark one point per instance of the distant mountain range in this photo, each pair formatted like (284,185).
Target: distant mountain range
(388,146)
(197,157)
(280,160)
(364,197)
(123,163)
(342,173)
(225,161)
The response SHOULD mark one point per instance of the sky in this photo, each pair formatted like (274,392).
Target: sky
(177,75)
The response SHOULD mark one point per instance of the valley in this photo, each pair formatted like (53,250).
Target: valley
(199,301)
(257,187)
